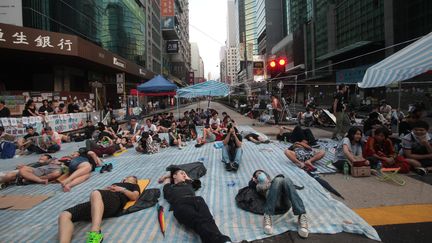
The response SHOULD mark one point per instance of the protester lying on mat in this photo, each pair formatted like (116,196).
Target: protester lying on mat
(41,175)
(256,138)
(190,210)
(350,149)
(104,203)
(10,176)
(232,150)
(417,147)
(379,148)
(301,154)
(279,191)
(296,134)
(80,168)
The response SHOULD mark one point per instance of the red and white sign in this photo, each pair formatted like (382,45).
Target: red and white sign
(167,8)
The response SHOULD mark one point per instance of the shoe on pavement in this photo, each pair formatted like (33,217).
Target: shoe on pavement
(234,166)
(228,167)
(303,229)
(267,224)
(421,171)
(94,237)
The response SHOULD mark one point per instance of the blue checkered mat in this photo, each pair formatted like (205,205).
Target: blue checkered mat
(39,224)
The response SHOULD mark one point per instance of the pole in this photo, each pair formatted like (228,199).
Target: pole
(178,110)
(399,105)
(295,94)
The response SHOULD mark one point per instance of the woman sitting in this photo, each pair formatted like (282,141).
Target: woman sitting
(147,145)
(379,148)
(104,203)
(175,138)
(190,210)
(350,149)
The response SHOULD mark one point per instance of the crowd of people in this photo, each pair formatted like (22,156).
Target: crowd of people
(373,147)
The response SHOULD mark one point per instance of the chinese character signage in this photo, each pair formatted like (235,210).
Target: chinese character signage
(167,8)
(29,39)
(172,46)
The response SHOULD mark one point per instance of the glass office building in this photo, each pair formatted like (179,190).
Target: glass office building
(116,25)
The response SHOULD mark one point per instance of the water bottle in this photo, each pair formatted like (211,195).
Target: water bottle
(285,139)
(346,169)
(378,167)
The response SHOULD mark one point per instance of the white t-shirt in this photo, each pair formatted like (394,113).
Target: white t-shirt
(355,149)
(151,128)
(214,121)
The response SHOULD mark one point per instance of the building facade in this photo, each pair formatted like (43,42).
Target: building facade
(197,65)
(153,36)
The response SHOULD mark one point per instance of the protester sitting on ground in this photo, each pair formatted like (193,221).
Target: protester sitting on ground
(42,174)
(104,131)
(279,191)
(186,131)
(104,203)
(79,169)
(371,123)
(417,147)
(302,155)
(306,118)
(225,121)
(147,145)
(174,137)
(149,127)
(49,142)
(6,136)
(196,119)
(24,142)
(133,129)
(208,137)
(89,129)
(256,138)
(415,113)
(105,146)
(214,119)
(30,109)
(232,148)
(385,109)
(114,126)
(4,111)
(10,176)
(190,210)
(379,148)
(45,109)
(61,109)
(350,149)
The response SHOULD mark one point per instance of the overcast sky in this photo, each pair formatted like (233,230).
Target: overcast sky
(208,16)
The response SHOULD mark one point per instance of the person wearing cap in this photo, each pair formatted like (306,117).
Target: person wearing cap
(4,111)
(279,191)
(190,210)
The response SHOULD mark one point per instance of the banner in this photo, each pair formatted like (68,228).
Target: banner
(167,8)
(60,123)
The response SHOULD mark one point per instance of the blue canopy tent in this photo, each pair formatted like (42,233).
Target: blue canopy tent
(208,88)
(407,63)
(157,84)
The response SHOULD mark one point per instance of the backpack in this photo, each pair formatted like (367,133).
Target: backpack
(7,150)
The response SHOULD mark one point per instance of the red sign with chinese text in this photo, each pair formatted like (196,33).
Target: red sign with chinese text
(167,8)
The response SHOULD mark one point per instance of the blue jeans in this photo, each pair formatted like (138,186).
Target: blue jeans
(226,157)
(283,192)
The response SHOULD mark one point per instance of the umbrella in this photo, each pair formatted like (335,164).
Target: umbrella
(326,185)
(161,218)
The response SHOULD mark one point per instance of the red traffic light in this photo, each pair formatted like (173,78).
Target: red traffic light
(273,64)
(282,62)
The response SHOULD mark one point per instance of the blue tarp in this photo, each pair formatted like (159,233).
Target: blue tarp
(208,88)
(157,84)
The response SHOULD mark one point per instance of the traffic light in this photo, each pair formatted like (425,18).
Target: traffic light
(277,66)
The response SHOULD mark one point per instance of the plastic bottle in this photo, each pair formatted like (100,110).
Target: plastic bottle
(379,167)
(285,139)
(346,169)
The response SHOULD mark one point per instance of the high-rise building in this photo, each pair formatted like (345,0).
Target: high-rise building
(68,45)
(175,29)
(197,66)
(223,65)
(153,35)
(232,58)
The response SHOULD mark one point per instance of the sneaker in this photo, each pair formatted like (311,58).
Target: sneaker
(421,171)
(94,237)
(267,222)
(234,166)
(303,230)
(109,167)
(103,169)
(228,167)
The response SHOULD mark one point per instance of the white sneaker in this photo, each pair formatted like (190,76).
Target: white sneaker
(303,229)
(268,228)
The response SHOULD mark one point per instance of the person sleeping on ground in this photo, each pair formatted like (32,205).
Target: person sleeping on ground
(11,176)
(350,150)
(296,134)
(190,210)
(256,138)
(104,203)
(279,191)
(41,175)
(303,155)
(80,168)
(232,148)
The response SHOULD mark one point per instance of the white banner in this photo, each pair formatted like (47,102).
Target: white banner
(11,12)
